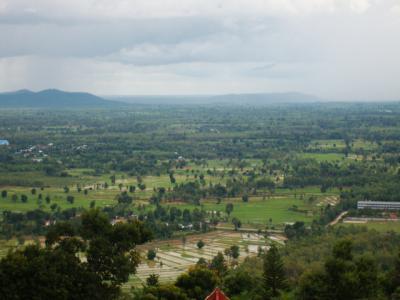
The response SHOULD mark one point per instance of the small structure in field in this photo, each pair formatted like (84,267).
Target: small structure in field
(379,205)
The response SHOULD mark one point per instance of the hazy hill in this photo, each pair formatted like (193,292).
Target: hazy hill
(252,99)
(60,99)
(51,99)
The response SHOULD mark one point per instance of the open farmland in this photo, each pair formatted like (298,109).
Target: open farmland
(272,209)
(388,226)
(175,256)
(225,175)
(276,210)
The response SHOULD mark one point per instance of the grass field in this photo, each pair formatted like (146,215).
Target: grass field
(285,205)
(378,226)
(57,196)
(331,157)
(327,144)
(338,145)
(259,211)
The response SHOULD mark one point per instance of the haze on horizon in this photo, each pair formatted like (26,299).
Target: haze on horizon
(335,49)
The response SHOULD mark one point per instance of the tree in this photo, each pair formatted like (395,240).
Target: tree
(142,186)
(183,239)
(342,277)
(124,198)
(229,208)
(110,246)
(234,251)
(21,240)
(200,244)
(245,198)
(244,281)
(58,273)
(236,223)
(151,254)
(394,276)
(172,178)
(274,273)
(66,189)
(218,264)
(33,191)
(24,198)
(164,291)
(297,230)
(61,274)
(152,280)
(4,194)
(70,199)
(112,178)
(202,262)
(198,282)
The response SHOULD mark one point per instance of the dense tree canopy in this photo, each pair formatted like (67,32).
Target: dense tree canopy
(91,261)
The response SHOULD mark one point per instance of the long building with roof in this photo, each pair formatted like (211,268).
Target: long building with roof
(381,205)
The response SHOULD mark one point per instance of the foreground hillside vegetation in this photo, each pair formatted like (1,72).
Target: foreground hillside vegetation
(240,197)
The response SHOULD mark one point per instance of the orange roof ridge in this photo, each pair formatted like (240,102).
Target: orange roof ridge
(217,294)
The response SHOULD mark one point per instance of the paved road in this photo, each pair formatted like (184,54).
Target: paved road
(338,218)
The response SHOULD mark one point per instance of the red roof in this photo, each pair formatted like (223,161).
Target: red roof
(217,294)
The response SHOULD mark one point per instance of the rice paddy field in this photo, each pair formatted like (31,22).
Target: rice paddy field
(175,257)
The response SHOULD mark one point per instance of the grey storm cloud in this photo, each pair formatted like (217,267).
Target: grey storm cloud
(342,49)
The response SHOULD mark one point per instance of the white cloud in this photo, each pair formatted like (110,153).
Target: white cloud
(334,48)
(3,6)
(396,9)
(178,8)
(359,6)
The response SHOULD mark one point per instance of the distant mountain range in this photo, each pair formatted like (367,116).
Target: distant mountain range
(51,99)
(251,99)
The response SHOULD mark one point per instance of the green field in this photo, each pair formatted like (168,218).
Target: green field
(282,206)
(339,145)
(259,211)
(327,144)
(55,189)
(331,157)
(378,226)
(278,206)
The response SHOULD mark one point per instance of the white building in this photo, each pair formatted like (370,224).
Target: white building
(382,205)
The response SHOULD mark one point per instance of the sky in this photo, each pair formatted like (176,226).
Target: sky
(334,49)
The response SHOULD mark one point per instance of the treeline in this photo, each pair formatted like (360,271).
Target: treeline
(163,221)
(133,140)
(195,191)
